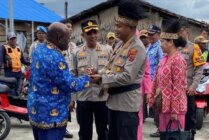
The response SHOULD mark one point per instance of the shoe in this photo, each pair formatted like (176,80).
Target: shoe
(68,134)
(156,134)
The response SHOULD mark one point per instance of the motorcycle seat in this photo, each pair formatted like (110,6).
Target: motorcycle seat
(4,88)
(7,80)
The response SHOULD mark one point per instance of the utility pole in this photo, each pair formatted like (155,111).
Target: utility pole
(66,9)
(11,19)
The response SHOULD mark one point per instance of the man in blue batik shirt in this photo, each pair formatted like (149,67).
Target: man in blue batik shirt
(155,54)
(154,51)
(51,85)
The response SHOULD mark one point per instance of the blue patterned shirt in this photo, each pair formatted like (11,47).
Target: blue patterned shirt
(50,89)
(155,54)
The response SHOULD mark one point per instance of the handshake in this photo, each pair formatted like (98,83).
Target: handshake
(93,74)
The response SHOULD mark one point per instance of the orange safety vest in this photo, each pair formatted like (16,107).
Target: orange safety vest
(12,58)
(198,58)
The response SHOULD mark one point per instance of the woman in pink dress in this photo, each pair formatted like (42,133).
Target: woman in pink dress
(145,86)
(170,80)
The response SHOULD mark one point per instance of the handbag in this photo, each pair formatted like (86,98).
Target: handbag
(158,100)
(178,134)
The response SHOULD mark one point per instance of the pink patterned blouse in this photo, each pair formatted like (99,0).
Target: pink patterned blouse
(171,79)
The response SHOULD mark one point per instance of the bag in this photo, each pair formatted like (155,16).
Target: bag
(175,135)
(158,100)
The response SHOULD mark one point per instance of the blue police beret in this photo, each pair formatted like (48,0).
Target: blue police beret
(42,28)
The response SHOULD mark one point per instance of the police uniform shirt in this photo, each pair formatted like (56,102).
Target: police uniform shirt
(97,58)
(125,68)
(68,54)
(194,73)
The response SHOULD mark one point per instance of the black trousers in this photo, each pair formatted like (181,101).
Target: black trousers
(190,121)
(123,125)
(86,112)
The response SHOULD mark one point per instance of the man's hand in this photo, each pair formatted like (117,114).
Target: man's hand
(91,71)
(72,106)
(95,78)
(174,117)
(190,91)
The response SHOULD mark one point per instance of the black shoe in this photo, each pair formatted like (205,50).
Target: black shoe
(68,134)
(156,134)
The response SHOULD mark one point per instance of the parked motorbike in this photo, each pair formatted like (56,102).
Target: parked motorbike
(202,97)
(17,109)
(5,123)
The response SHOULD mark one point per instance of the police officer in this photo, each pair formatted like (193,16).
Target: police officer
(41,38)
(68,57)
(12,58)
(91,102)
(193,56)
(110,39)
(123,74)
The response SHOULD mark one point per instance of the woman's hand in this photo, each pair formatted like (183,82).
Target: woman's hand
(174,117)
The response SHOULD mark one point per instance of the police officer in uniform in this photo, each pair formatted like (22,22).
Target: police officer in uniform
(68,57)
(41,38)
(12,58)
(91,103)
(123,74)
(195,60)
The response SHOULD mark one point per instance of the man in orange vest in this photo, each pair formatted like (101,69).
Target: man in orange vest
(12,58)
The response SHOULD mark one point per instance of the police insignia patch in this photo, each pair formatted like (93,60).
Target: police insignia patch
(132,54)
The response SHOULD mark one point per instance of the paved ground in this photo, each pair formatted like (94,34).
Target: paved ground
(23,131)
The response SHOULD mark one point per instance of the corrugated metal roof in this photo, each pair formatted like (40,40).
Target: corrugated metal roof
(28,10)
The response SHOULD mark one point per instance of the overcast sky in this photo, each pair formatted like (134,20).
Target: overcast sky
(197,9)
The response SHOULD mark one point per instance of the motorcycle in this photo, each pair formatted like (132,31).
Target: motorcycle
(202,97)
(17,109)
(5,123)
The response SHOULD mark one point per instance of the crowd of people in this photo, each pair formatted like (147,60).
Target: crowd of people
(138,74)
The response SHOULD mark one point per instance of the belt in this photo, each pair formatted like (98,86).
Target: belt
(122,89)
